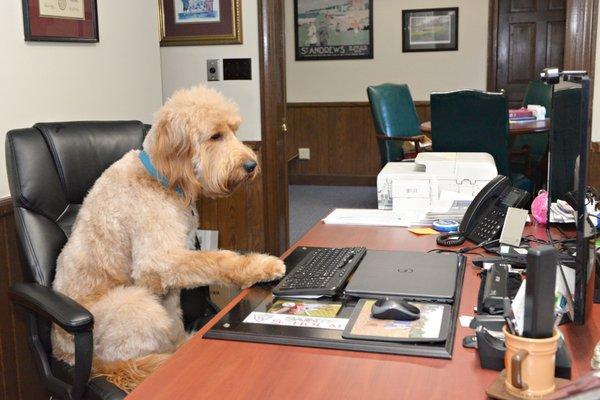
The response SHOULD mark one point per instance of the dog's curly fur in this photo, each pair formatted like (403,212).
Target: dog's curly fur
(129,256)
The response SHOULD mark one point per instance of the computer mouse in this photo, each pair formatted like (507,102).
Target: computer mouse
(399,310)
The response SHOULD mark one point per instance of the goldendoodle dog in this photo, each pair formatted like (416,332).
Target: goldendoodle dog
(131,250)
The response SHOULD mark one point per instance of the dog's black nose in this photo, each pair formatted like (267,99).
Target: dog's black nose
(249,166)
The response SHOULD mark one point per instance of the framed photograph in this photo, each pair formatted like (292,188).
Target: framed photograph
(197,22)
(433,29)
(333,29)
(60,20)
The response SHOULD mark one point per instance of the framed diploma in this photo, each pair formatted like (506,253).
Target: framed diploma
(198,22)
(60,20)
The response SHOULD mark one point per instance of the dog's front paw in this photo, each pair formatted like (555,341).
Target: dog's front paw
(260,268)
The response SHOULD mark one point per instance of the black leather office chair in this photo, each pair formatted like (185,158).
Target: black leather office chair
(51,167)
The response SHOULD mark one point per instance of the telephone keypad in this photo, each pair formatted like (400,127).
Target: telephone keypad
(489,227)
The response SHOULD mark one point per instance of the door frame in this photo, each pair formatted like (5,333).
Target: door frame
(271,35)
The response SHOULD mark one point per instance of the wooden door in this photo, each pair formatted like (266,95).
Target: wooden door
(530,36)
(273,118)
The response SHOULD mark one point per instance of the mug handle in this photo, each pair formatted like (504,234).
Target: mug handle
(516,377)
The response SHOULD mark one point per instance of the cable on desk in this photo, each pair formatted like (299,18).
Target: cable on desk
(466,250)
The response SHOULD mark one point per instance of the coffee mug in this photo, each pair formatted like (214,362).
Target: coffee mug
(529,365)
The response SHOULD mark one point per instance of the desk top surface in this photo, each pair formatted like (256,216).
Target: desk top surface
(515,128)
(205,368)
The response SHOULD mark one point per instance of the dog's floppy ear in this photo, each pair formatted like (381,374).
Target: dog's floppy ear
(172,156)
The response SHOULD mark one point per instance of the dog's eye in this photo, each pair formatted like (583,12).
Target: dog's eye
(216,136)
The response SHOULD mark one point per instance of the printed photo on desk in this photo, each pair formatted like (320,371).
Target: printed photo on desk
(432,326)
(333,29)
(305,308)
(300,313)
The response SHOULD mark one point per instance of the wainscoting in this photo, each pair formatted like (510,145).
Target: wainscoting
(239,218)
(18,372)
(341,139)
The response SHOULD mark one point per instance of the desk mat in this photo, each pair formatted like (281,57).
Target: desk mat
(259,298)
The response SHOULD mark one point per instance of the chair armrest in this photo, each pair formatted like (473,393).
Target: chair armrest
(60,309)
(70,316)
(418,138)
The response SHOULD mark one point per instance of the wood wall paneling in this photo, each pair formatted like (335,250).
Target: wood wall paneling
(19,379)
(341,139)
(238,218)
(594,165)
(581,23)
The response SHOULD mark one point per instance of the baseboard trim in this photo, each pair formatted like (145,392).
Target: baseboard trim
(333,180)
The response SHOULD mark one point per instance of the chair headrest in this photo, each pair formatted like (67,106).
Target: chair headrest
(83,150)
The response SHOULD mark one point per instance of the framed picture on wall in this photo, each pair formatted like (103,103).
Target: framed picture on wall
(433,29)
(60,20)
(198,22)
(333,29)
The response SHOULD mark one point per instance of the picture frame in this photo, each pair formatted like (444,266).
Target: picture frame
(200,22)
(60,20)
(333,29)
(430,29)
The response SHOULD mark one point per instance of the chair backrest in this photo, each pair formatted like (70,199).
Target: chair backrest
(566,123)
(539,93)
(51,167)
(394,114)
(471,121)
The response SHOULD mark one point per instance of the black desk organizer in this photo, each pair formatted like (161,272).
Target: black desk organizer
(232,327)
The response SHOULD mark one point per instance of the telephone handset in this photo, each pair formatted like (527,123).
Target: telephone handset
(485,216)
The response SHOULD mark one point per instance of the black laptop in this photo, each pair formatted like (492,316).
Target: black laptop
(410,275)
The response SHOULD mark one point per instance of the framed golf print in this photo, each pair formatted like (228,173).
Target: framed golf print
(433,29)
(333,29)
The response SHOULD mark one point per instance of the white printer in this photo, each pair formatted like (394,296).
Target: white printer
(417,185)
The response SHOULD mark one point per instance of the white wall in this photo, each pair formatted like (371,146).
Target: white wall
(596,99)
(185,66)
(347,80)
(117,78)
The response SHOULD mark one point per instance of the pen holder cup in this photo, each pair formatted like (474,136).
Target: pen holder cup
(529,365)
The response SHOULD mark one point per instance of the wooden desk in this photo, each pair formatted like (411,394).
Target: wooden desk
(215,369)
(515,128)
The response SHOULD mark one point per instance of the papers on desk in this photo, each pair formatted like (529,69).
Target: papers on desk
(442,209)
(356,216)
(561,212)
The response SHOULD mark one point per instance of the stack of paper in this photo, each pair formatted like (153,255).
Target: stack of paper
(356,216)
(454,210)
(561,212)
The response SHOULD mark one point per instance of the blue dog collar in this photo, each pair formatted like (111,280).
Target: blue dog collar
(147,163)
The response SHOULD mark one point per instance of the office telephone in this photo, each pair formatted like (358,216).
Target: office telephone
(485,216)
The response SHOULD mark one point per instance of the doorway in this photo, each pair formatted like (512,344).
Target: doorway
(527,36)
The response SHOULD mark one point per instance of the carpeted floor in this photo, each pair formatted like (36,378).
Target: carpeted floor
(308,204)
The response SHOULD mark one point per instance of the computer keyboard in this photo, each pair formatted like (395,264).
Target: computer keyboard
(323,272)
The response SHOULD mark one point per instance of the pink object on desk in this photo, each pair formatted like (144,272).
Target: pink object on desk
(539,207)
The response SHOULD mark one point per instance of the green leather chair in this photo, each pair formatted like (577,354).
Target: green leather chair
(537,144)
(474,121)
(396,120)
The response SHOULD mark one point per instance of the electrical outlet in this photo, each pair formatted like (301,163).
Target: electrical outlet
(212,70)
(304,153)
